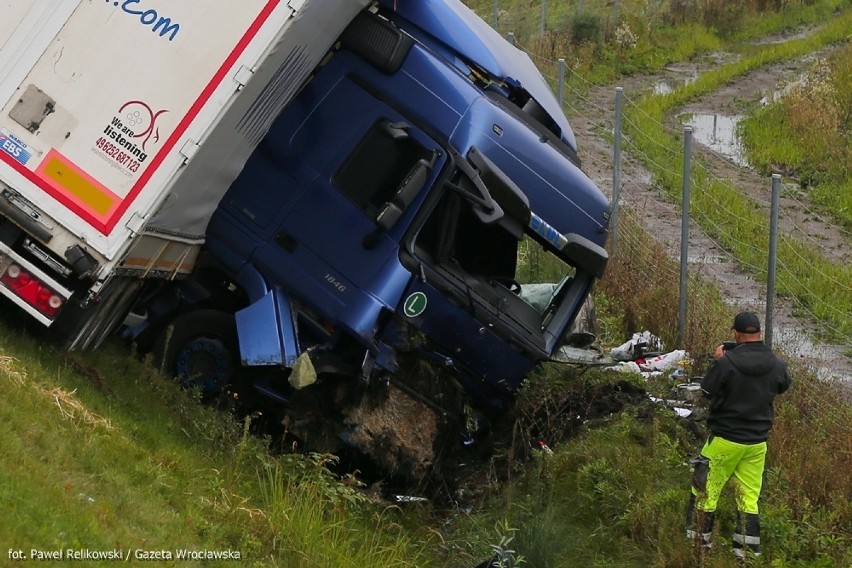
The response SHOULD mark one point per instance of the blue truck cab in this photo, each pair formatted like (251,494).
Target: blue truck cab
(421,197)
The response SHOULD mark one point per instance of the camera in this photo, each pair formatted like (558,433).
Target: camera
(728,345)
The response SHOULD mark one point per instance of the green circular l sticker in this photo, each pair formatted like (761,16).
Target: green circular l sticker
(415,304)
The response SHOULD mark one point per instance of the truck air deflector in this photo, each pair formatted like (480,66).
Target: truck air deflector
(451,23)
(267,334)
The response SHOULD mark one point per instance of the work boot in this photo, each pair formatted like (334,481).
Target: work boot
(702,519)
(690,518)
(746,539)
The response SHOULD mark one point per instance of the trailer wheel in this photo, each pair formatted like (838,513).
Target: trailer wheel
(200,349)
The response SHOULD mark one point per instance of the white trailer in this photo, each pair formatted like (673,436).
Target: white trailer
(123,122)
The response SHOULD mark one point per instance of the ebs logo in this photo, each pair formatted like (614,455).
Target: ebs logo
(14,147)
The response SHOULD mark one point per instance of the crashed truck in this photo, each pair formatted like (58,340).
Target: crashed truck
(370,215)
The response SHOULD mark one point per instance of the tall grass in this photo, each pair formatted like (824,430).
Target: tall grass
(808,134)
(100,452)
(644,282)
(615,494)
(312,508)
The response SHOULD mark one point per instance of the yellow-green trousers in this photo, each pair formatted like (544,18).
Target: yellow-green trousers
(720,460)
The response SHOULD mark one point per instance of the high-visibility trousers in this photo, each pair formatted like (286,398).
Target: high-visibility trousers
(725,458)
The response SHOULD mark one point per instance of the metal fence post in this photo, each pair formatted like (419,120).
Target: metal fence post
(684,235)
(511,37)
(560,88)
(543,16)
(773,256)
(616,170)
(495,8)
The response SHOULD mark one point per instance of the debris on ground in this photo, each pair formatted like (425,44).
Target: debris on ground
(641,344)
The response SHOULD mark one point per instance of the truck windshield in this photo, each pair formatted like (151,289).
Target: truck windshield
(495,267)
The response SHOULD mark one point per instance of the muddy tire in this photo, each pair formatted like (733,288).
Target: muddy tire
(200,349)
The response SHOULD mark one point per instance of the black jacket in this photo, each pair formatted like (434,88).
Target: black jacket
(741,386)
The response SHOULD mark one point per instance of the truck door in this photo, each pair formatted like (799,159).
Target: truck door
(351,155)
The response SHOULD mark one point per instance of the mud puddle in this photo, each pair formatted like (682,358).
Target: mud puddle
(718,132)
(676,77)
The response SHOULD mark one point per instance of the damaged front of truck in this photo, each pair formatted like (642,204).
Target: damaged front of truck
(506,248)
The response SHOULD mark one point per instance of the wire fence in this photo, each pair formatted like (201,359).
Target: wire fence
(640,170)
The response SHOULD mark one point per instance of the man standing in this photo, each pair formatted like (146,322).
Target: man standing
(741,385)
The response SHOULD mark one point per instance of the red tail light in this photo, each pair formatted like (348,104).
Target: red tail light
(32,290)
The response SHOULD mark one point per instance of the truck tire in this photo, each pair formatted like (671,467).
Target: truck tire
(200,349)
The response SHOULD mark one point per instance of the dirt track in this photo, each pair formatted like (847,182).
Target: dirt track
(593,116)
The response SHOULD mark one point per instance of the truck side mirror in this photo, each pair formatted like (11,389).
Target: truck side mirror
(502,190)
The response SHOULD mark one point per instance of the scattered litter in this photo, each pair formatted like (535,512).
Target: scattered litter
(409,499)
(544,447)
(663,362)
(303,373)
(577,356)
(626,367)
(643,354)
(637,347)
(689,391)
(680,408)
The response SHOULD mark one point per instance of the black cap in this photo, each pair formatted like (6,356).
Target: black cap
(746,322)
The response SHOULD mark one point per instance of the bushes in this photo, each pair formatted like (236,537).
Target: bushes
(584,27)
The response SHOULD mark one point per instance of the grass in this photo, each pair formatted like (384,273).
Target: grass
(102,453)
(644,284)
(614,495)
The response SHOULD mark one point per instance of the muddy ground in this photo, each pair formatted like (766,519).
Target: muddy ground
(592,117)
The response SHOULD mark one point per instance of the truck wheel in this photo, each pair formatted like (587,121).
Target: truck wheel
(200,349)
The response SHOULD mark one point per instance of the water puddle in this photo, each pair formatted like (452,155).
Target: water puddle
(706,259)
(719,133)
(785,37)
(681,77)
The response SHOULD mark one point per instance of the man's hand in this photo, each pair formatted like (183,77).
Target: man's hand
(720,351)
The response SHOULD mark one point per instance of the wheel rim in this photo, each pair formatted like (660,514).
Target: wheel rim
(204,363)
